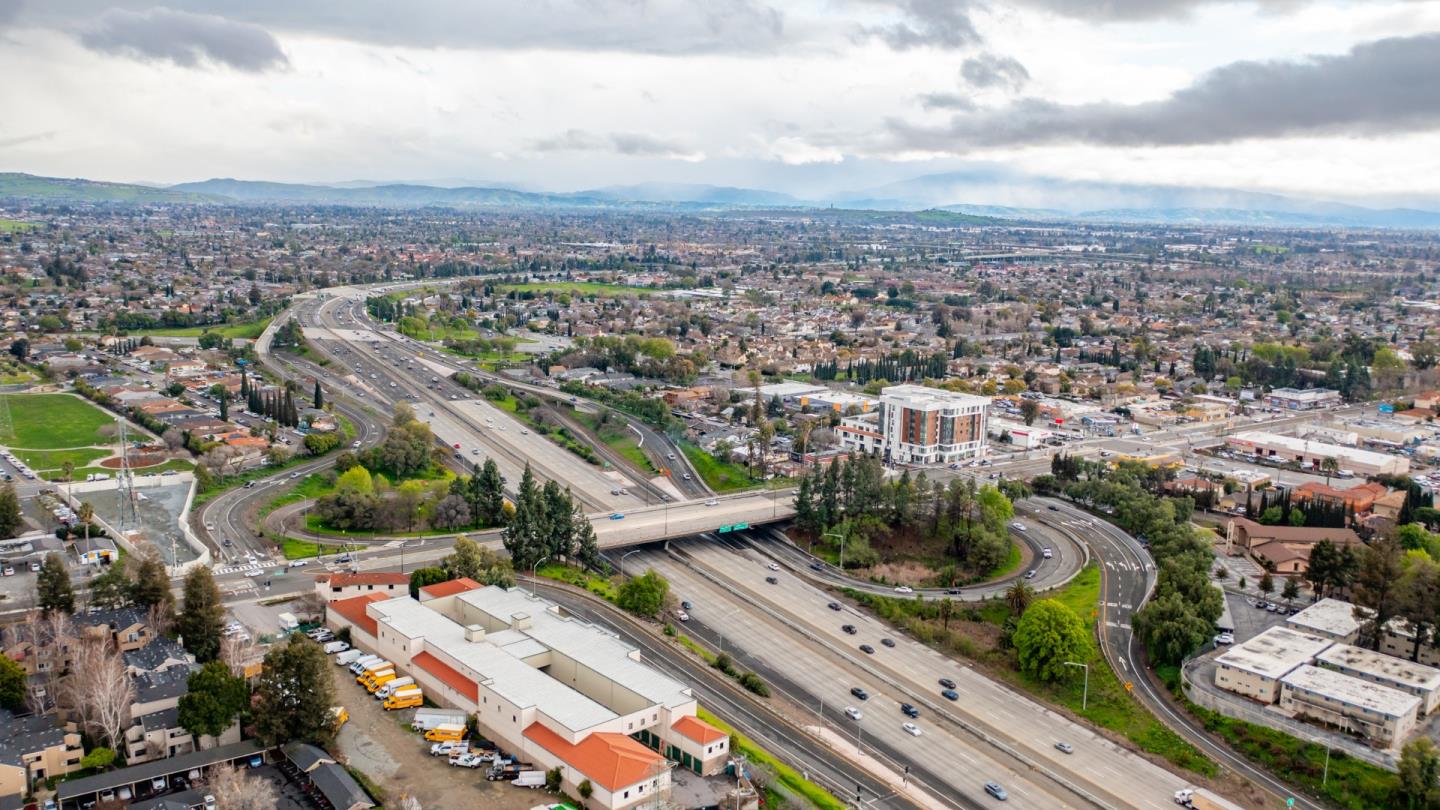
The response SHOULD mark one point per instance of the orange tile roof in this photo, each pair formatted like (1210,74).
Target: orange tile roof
(340,580)
(448,675)
(353,610)
(613,761)
(698,730)
(451,587)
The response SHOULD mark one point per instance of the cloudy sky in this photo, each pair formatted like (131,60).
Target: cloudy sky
(1325,98)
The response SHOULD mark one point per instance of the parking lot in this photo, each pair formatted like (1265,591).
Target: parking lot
(381,744)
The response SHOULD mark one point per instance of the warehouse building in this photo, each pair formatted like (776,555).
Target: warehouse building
(1254,668)
(552,689)
(1384,716)
(1396,673)
(1311,454)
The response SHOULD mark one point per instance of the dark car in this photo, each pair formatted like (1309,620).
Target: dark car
(1052,509)
(859,693)
(686,604)
(952,591)
(817,566)
(947,683)
(867,649)
(951,694)
(772,580)
(834,606)
(849,628)
(888,642)
(909,710)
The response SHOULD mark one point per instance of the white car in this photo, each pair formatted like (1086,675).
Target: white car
(1018,526)
(904,589)
(853,713)
(773,566)
(712,502)
(1225,638)
(911,729)
(299,563)
(253,573)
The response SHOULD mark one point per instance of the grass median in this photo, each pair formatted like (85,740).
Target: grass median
(787,776)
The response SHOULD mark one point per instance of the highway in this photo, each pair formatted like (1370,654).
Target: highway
(996,732)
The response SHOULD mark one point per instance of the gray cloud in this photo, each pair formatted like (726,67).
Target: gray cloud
(184,38)
(9,10)
(1377,88)
(947,101)
(630,144)
(7,141)
(671,27)
(1129,10)
(929,23)
(989,70)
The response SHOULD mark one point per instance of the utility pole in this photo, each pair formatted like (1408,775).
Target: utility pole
(842,547)
(1085,694)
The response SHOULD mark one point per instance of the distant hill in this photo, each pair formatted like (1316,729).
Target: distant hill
(29,186)
(397,195)
(694,193)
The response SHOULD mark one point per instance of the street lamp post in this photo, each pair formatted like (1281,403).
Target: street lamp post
(842,547)
(1085,694)
(622,560)
(533,578)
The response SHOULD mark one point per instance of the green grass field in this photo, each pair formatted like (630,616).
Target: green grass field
(600,586)
(55,459)
(576,288)
(618,437)
(249,330)
(295,549)
(16,226)
(721,476)
(52,422)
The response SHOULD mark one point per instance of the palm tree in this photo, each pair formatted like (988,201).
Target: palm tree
(86,513)
(1019,595)
(1329,465)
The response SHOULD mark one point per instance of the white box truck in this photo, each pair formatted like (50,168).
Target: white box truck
(393,686)
(364,661)
(288,622)
(347,658)
(530,779)
(426,719)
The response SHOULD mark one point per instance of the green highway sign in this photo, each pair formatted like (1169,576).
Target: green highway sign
(740,527)
(724,529)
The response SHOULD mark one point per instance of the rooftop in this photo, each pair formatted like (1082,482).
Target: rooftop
(1328,617)
(1295,444)
(1352,691)
(1274,652)
(1404,674)
(613,761)
(921,396)
(450,587)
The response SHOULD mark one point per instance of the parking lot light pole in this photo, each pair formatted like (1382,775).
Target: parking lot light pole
(534,580)
(1085,694)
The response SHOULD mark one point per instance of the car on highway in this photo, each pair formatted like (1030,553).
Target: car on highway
(249,485)
(1064,748)
(1046,553)
(1030,574)
(994,789)
(682,615)
(950,694)
(1018,526)
(853,713)
(859,693)
(772,580)
(947,683)
(911,729)
(299,563)
(888,642)
(686,604)
(909,710)
(904,589)
(833,606)
(617,516)
(1052,509)
(687,476)
(773,566)
(848,628)
(867,649)
(712,502)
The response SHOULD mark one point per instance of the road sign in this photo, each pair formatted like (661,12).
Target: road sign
(739,527)
(724,529)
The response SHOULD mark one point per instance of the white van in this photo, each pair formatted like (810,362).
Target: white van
(335,647)
(364,661)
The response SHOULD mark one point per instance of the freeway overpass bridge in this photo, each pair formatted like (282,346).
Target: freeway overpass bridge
(685,518)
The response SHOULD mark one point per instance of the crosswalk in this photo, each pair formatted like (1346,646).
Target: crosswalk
(246,567)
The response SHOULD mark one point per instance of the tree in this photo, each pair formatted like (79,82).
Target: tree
(1388,368)
(472,560)
(1419,600)
(111,589)
(319,396)
(1377,587)
(86,514)
(12,683)
(430,575)
(152,582)
(11,520)
(233,790)
(1291,590)
(295,693)
(1029,409)
(452,512)
(585,789)
(98,758)
(1419,768)
(99,690)
(1049,634)
(1171,629)
(644,595)
(203,616)
(1267,583)
(213,701)
(1330,466)
(1019,596)
(52,585)
(487,495)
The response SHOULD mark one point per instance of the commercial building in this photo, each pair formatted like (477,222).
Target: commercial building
(552,689)
(1311,454)
(1254,668)
(920,425)
(1382,715)
(1304,399)
(1396,673)
(1286,548)
(342,585)
(1329,618)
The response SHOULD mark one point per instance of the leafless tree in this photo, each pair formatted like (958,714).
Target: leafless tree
(49,636)
(238,652)
(98,690)
(222,460)
(234,791)
(174,439)
(409,802)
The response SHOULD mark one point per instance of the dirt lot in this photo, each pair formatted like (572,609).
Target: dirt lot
(380,744)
